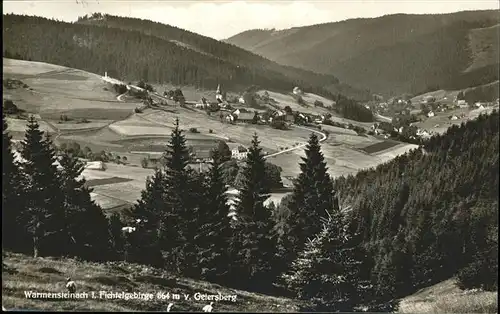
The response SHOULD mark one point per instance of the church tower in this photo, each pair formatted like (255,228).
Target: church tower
(218,94)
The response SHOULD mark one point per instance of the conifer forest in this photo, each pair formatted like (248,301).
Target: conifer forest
(357,241)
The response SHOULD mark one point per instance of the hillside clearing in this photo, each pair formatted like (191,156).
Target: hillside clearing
(446,297)
(56,90)
(441,122)
(271,139)
(12,66)
(48,275)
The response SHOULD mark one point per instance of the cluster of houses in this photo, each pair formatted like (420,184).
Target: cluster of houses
(228,114)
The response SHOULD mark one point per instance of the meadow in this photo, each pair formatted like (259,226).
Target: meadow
(23,273)
(446,297)
(441,121)
(113,126)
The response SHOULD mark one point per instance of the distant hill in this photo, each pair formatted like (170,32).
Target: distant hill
(134,49)
(393,54)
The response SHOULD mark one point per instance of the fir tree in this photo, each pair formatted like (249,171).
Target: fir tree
(329,270)
(312,198)
(12,207)
(117,239)
(177,221)
(215,229)
(81,212)
(148,213)
(255,224)
(45,199)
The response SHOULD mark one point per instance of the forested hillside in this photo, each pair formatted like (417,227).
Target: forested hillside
(393,54)
(429,215)
(133,49)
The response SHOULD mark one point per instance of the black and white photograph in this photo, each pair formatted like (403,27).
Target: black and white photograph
(250,156)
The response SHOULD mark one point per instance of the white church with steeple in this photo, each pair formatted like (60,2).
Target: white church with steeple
(218,95)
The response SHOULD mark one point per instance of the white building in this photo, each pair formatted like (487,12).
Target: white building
(297,91)
(218,95)
(239,153)
(431,114)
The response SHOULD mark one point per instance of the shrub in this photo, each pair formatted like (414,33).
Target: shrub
(137,110)
(301,101)
(9,107)
(144,162)
(194,130)
(279,124)
(318,103)
(210,131)
(120,88)
(481,273)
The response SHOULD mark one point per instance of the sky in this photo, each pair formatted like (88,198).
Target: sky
(223,19)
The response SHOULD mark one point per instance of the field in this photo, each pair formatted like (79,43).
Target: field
(17,127)
(113,126)
(271,139)
(55,90)
(22,273)
(441,122)
(445,297)
(345,154)
(288,100)
(374,148)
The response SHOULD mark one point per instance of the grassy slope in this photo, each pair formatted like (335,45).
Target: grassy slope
(48,275)
(446,297)
(391,54)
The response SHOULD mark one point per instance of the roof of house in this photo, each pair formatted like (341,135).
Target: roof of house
(246,116)
(241,149)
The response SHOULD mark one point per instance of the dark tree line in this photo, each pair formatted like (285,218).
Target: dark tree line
(46,209)
(131,52)
(343,245)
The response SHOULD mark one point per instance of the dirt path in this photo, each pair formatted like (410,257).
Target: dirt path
(324,137)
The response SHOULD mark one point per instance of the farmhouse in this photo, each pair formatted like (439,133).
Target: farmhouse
(453,117)
(297,91)
(229,118)
(289,118)
(246,116)
(462,103)
(95,165)
(431,114)
(239,153)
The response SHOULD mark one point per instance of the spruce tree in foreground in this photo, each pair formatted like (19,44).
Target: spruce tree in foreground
(312,199)
(81,212)
(12,206)
(328,271)
(44,196)
(254,230)
(215,229)
(148,212)
(117,239)
(181,204)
